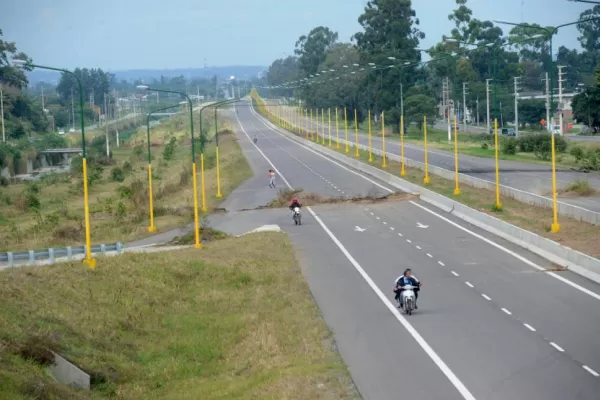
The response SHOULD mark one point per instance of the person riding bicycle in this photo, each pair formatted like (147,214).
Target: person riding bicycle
(405,279)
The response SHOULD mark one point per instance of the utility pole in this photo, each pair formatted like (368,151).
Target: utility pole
(477,102)
(72,111)
(501,119)
(446,87)
(43,105)
(487,93)
(547,79)
(106,126)
(2,114)
(516,105)
(117,116)
(561,74)
(465,106)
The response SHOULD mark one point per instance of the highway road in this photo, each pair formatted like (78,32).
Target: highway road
(492,323)
(528,177)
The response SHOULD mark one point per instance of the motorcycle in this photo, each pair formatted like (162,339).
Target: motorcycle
(255,140)
(296,216)
(408,298)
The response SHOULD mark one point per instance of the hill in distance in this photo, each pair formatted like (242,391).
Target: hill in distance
(241,72)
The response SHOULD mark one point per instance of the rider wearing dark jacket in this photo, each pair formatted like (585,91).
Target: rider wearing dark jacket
(295,203)
(404,280)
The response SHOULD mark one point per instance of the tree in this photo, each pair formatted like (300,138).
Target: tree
(586,108)
(8,74)
(312,50)
(531,112)
(390,30)
(589,32)
(281,71)
(417,106)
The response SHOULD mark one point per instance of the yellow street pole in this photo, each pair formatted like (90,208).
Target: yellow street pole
(457,188)
(346,129)
(151,228)
(91,262)
(370,146)
(383,154)
(202,186)
(329,124)
(426,179)
(402,170)
(337,130)
(323,126)
(498,204)
(219,194)
(317,123)
(198,244)
(356,132)
(555,228)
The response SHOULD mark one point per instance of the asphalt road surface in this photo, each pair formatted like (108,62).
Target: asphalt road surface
(528,177)
(492,323)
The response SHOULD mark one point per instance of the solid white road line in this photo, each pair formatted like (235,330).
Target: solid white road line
(591,371)
(462,389)
(557,347)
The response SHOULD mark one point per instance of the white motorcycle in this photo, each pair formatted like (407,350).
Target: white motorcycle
(408,298)
(296,216)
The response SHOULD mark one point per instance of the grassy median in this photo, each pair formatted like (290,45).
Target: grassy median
(235,320)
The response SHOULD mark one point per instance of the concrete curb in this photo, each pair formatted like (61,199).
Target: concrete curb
(582,264)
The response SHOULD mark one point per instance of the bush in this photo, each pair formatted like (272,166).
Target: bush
(4,181)
(32,188)
(121,210)
(32,202)
(169,150)
(95,174)
(540,143)
(509,146)
(577,153)
(543,150)
(124,192)
(117,174)
(485,146)
(127,168)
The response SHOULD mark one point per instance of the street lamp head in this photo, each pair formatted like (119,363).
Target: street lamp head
(356,65)
(371,64)
(332,70)
(344,66)
(183,102)
(450,40)
(17,62)
(391,58)
(142,87)
(407,63)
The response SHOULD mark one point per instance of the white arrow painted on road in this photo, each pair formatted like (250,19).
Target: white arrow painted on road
(359,229)
(420,225)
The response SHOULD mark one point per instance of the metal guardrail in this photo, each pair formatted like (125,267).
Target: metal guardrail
(30,257)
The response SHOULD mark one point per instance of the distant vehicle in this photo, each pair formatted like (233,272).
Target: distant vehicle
(61,131)
(509,132)
(72,130)
(555,130)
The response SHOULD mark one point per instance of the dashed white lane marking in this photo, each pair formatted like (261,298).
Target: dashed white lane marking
(419,247)
(469,284)
(506,311)
(377,217)
(409,241)
(557,347)
(591,371)
(441,263)
(392,228)
(454,273)
(429,255)
(485,296)
(371,213)
(531,328)
(385,223)
(399,234)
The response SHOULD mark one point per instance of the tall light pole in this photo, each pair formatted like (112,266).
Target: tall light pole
(2,114)
(197,244)
(88,239)
(550,32)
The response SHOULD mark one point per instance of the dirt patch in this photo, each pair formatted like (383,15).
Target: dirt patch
(577,188)
(284,197)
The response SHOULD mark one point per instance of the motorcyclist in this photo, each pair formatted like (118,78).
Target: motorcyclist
(407,278)
(295,203)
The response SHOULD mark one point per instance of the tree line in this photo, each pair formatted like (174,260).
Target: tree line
(390,64)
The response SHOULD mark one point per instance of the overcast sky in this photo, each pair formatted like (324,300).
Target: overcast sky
(128,34)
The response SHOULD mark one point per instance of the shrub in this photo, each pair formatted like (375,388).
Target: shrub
(577,153)
(117,174)
(485,146)
(124,192)
(32,202)
(127,168)
(32,188)
(121,210)
(4,181)
(543,150)
(169,150)
(509,146)
(95,174)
